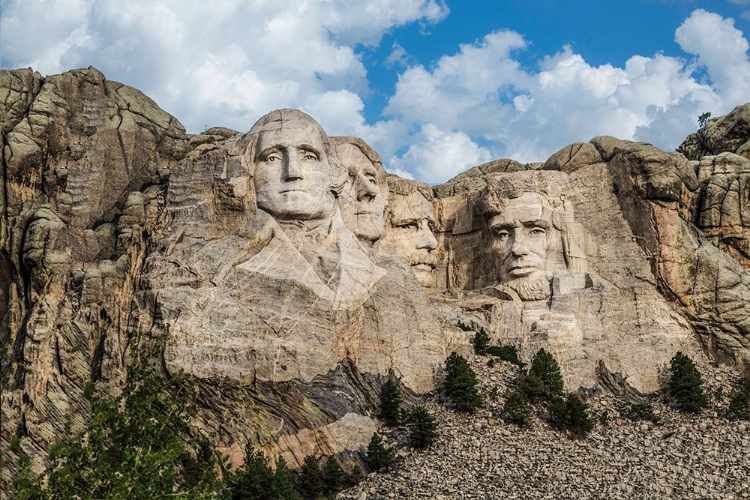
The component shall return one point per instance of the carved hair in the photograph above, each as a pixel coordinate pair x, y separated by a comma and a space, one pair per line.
248, 143
369, 153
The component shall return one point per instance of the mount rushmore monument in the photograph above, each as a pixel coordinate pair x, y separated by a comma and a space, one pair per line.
290, 275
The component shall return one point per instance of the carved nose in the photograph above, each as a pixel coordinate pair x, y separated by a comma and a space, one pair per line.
519, 247
425, 238
292, 168
367, 191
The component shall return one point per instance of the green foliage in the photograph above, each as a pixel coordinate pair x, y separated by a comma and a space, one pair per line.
545, 367
390, 403
379, 456
463, 326
311, 478
333, 477
739, 401
685, 386
491, 363
422, 427
256, 481
643, 411
506, 353
137, 445
460, 384
703, 119
481, 341
570, 414
516, 408
531, 387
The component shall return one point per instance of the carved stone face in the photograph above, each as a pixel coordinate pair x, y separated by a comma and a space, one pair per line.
520, 237
362, 202
292, 174
410, 235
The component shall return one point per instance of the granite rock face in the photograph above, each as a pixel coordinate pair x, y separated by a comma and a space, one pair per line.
290, 275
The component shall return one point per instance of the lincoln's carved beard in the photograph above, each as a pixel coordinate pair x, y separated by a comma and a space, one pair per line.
531, 289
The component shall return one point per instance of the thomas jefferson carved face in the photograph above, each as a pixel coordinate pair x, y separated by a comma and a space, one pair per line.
362, 201
410, 235
292, 172
520, 237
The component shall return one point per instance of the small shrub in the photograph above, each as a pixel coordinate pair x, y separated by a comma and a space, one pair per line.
491, 363
516, 408
463, 326
506, 353
494, 393
685, 386
390, 403
422, 427
604, 418
739, 401
379, 456
643, 411
460, 384
570, 414
481, 341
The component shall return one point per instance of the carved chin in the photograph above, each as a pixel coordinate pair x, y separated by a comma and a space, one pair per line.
532, 289
425, 274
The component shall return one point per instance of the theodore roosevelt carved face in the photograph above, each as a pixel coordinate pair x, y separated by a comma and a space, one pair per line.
409, 232
362, 201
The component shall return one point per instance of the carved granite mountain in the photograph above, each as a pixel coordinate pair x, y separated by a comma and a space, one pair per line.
290, 275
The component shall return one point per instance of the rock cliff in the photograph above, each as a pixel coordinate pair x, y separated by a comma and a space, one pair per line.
290, 275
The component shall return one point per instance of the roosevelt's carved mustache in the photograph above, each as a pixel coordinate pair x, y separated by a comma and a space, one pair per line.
422, 259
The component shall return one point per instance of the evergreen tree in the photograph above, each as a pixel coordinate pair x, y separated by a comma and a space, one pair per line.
311, 478
254, 480
532, 387
739, 401
481, 341
570, 414
333, 477
422, 427
283, 482
516, 409
686, 384
390, 403
545, 367
378, 455
506, 353
460, 384
137, 445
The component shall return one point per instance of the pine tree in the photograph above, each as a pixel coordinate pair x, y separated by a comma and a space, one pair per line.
378, 455
254, 479
422, 427
516, 408
545, 367
311, 478
739, 401
460, 384
481, 341
333, 477
390, 403
283, 482
686, 384
570, 414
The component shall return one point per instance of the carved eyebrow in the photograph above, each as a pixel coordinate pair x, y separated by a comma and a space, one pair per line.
310, 149
403, 222
537, 223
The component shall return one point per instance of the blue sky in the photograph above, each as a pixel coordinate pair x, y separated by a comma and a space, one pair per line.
436, 87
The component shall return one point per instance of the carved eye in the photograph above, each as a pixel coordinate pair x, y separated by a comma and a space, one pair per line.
273, 157
537, 231
309, 156
411, 226
372, 180
502, 235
